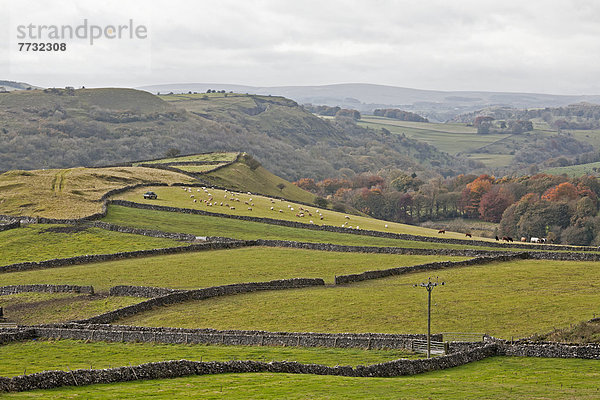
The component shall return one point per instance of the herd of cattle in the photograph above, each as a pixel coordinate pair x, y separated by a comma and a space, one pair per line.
507, 238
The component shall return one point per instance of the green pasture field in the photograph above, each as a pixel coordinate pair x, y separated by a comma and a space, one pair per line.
214, 268
496, 378
451, 138
46, 308
260, 206
224, 157
71, 193
48, 355
45, 242
575, 170
510, 299
200, 225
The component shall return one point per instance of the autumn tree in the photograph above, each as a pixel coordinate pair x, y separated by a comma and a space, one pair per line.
565, 191
494, 202
473, 193
307, 184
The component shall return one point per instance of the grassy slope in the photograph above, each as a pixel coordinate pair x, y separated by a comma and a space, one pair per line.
493, 378
43, 308
71, 193
241, 177
502, 299
261, 207
20, 245
212, 268
37, 356
216, 226
225, 157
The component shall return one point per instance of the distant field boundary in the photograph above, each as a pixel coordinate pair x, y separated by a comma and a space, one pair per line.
364, 232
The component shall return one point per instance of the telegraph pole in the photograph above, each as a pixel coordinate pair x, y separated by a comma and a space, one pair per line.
429, 285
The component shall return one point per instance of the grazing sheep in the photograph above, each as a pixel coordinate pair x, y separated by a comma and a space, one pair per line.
357, 227
271, 208
317, 211
347, 217
292, 209
321, 217
386, 225
195, 200
249, 208
232, 208
311, 222
280, 211
192, 196
250, 200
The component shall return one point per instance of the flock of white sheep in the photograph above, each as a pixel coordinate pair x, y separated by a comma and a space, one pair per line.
230, 198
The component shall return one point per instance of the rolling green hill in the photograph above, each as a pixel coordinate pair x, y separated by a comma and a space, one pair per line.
108, 126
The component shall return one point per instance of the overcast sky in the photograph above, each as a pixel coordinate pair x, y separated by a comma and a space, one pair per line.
518, 46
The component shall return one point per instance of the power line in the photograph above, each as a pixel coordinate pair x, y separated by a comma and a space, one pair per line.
429, 285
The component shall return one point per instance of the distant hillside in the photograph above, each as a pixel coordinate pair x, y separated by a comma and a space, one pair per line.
12, 85
58, 128
433, 104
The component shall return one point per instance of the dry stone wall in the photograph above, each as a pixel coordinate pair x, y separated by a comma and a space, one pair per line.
10, 225
15, 289
173, 369
550, 350
144, 232
17, 335
120, 333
